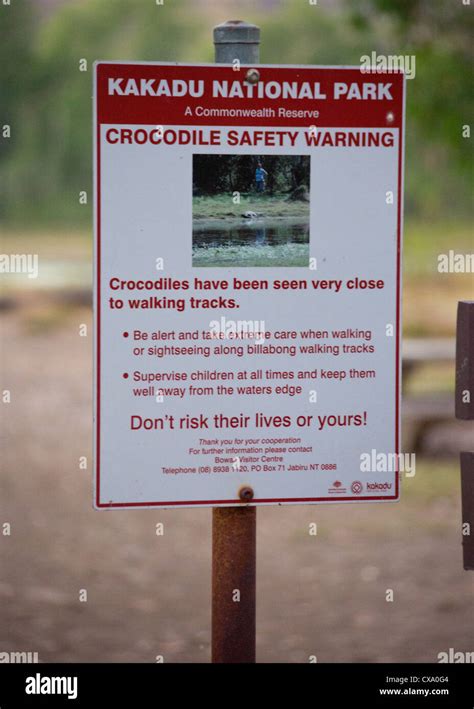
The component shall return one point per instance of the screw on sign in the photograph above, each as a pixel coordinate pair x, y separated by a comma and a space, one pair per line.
252, 76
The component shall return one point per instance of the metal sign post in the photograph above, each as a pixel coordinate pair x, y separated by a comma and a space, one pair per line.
234, 530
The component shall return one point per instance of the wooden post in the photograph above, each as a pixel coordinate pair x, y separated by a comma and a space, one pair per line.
234, 528
465, 410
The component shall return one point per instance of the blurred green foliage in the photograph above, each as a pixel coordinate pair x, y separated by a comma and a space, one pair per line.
47, 99
213, 174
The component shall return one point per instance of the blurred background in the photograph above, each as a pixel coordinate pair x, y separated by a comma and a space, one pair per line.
149, 595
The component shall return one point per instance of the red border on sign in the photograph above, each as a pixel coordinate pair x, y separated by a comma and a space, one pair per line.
398, 124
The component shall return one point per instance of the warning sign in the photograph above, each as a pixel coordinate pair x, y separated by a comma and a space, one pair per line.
247, 284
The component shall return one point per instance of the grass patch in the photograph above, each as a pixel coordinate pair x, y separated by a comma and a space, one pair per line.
221, 206
429, 297
433, 480
427, 377
49, 244
425, 241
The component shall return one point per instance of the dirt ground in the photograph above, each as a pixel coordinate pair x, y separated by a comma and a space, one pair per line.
149, 595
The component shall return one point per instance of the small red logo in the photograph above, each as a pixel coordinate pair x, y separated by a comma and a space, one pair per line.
356, 487
337, 483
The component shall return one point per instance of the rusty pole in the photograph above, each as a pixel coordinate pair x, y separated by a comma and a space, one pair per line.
234, 528
233, 584
465, 410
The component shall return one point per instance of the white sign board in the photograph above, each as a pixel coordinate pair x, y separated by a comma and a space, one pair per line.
247, 284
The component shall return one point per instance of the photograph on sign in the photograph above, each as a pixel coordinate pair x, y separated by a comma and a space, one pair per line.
247, 285
269, 227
